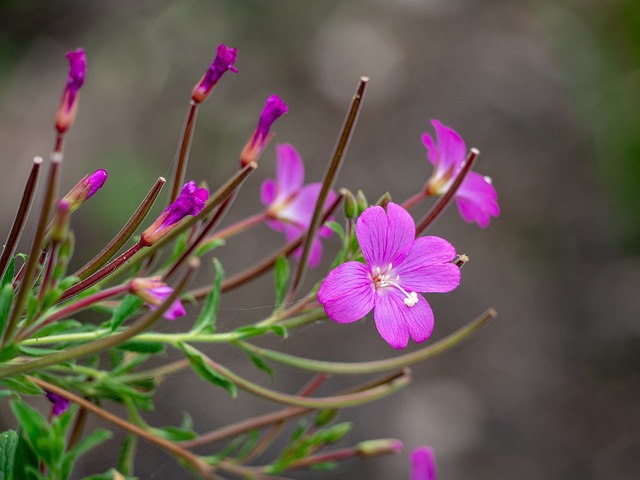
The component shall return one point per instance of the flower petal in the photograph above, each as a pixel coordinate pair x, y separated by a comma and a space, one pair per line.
268, 191
396, 321
423, 464
428, 267
347, 293
385, 237
289, 172
451, 148
477, 199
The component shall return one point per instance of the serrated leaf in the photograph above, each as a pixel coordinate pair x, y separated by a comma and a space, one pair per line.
200, 365
127, 307
8, 445
282, 272
207, 319
22, 384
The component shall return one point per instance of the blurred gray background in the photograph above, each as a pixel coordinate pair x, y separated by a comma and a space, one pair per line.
547, 90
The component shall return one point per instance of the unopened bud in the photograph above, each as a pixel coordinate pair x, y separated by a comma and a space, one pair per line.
85, 189
350, 206
274, 108
225, 58
363, 204
382, 446
60, 224
69, 104
384, 200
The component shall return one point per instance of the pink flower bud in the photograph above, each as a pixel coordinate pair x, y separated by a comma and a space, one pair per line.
274, 108
69, 103
224, 61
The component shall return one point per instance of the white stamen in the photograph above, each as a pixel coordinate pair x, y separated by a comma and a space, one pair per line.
411, 300
382, 280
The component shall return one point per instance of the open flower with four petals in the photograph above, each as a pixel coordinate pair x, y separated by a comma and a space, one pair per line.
476, 198
398, 269
290, 203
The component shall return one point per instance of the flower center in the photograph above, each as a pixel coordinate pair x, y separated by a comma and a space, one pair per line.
383, 279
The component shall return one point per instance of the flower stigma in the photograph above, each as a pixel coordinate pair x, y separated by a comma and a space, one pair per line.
383, 279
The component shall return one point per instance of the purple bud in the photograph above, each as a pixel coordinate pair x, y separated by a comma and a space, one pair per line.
154, 292
274, 108
69, 103
85, 189
423, 464
60, 404
191, 201
225, 58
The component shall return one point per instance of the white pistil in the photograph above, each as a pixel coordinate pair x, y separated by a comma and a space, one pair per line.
382, 280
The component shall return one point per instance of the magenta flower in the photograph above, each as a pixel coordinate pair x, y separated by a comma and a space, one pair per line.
476, 198
191, 201
75, 79
60, 404
290, 204
154, 292
85, 189
423, 464
274, 108
225, 58
398, 268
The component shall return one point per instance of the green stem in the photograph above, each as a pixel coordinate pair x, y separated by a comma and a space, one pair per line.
348, 368
411, 201
106, 342
338, 401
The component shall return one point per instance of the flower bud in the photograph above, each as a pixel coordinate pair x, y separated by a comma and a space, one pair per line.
191, 201
381, 446
363, 204
69, 103
60, 404
225, 58
274, 108
350, 206
154, 292
85, 189
384, 200
60, 224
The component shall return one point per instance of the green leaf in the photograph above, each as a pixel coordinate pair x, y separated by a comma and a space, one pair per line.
62, 326
281, 272
207, 319
6, 300
112, 474
337, 229
7, 278
8, 445
324, 466
87, 443
332, 434
68, 282
127, 307
32, 307
207, 247
260, 363
48, 446
142, 347
254, 436
36, 352
25, 461
174, 434
8, 352
200, 365
20, 383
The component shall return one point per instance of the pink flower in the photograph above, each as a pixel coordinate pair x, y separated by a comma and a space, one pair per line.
154, 292
423, 464
60, 404
398, 268
191, 201
85, 189
274, 108
476, 198
225, 58
69, 103
290, 204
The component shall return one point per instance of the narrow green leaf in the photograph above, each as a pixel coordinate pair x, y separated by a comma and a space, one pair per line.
32, 307
324, 466
207, 319
142, 347
87, 443
6, 300
63, 326
25, 461
260, 363
7, 278
41, 437
8, 352
8, 445
207, 247
21, 384
201, 367
127, 307
281, 272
